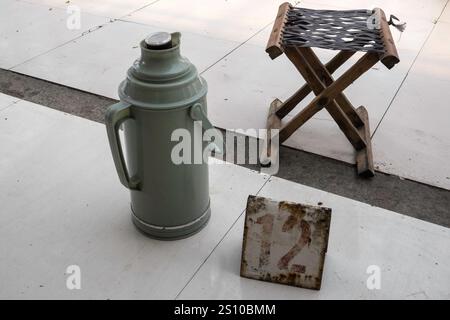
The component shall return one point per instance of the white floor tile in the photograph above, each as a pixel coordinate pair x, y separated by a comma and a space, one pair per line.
62, 204
413, 140
445, 14
404, 10
27, 30
98, 62
412, 255
6, 101
242, 85
230, 20
323, 137
105, 8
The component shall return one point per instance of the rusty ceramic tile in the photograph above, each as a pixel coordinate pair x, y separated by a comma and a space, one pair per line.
285, 242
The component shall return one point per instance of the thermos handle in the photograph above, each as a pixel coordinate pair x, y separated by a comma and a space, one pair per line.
197, 114
115, 116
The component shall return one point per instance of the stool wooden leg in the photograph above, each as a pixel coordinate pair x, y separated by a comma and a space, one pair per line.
354, 123
322, 100
327, 79
290, 103
364, 157
273, 123
331, 66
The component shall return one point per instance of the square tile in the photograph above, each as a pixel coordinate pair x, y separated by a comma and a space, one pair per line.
445, 17
98, 62
28, 30
410, 255
6, 101
404, 10
413, 140
223, 19
63, 205
104, 8
243, 84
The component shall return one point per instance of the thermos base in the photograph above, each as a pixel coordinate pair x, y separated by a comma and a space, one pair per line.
172, 233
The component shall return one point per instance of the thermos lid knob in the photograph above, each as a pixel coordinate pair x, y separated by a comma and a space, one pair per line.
159, 40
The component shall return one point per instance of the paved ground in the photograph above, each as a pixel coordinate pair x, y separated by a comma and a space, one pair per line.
63, 205
386, 191
407, 105
77, 71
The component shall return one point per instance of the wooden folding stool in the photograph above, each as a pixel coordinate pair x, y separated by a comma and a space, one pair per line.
295, 31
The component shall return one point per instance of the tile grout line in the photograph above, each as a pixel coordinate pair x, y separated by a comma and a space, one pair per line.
236, 48
63, 7
9, 105
442, 12
138, 9
40, 4
122, 19
165, 29
409, 69
218, 243
89, 31
240, 45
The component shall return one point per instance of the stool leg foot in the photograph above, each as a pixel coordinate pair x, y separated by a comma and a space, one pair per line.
364, 157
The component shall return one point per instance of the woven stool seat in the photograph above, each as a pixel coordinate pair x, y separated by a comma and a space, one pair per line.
354, 30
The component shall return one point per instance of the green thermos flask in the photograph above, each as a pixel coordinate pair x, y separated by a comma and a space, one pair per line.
162, 93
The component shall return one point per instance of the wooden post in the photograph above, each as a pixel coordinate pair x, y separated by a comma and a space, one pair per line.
364, 158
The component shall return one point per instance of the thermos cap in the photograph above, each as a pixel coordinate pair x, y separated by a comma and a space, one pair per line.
159, 40
161, 78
